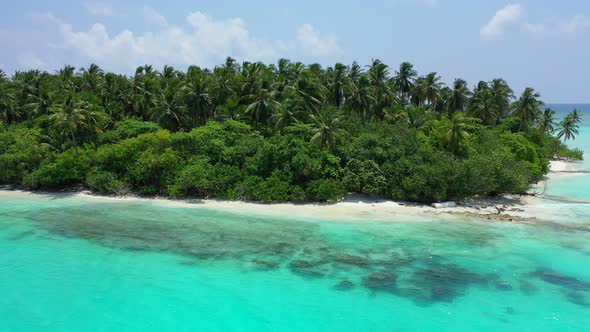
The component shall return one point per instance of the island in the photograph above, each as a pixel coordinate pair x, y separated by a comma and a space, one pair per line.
284, 132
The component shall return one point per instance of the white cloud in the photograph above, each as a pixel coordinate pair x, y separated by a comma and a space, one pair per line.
99, 8
312, 42
534, 27
503, 17
203, 41
577, 23
152, 16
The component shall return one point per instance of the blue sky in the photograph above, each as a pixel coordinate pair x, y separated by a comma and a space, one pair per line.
540, 43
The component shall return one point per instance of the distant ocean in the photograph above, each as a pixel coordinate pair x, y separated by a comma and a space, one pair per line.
562, 109
583, 140
577, 186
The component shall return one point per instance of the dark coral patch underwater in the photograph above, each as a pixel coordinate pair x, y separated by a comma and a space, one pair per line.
396, 265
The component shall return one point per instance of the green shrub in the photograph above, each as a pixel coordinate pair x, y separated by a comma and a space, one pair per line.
21, 152
152, 172
67, 169
364, 177
128, 129
325, 190
105, 182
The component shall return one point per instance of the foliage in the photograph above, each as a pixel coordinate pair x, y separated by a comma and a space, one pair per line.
22, 151
128, 129
570, 125
105, 182
284, 132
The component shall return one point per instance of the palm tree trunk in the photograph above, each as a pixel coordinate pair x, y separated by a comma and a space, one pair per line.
74, 141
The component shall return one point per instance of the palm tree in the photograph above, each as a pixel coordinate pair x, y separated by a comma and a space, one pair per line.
548, 121
222, 89
287, 115
337, 82
309, 91
414, 116
359, 97
91, 78
170, 110
576, 116
482, 104
528, 108
8, 111
168, 73
404, 80
146, 98
417, 94
501, 95
326, 131
39, 100
569, 126
231, 109
250, 78
459, 96
263, 105
288, 71
457, 125
382, 90
230, 66
148, 71
72, 114
430, 87
355, 72
196, 95
378, 73
66, 78
114, 95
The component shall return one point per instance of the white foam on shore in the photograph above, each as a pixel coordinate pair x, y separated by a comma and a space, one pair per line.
353, 208
350, 209
568, 167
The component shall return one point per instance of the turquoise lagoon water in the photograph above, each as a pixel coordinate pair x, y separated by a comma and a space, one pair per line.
576, 187
85, 264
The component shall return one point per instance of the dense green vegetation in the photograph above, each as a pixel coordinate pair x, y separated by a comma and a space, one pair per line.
274, 133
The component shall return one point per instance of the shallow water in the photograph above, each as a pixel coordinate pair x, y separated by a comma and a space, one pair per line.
71, 264
82, 264
575, 186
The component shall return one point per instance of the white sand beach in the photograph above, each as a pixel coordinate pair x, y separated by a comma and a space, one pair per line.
354, 207
562, 165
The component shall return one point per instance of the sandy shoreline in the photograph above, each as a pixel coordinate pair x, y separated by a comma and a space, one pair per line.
351, 208
562, 165
506, 208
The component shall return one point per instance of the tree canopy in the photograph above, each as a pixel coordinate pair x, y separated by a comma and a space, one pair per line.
284, 132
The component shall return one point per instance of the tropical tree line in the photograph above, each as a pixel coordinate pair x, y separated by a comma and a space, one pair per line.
275, 132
